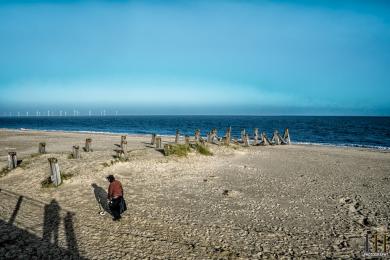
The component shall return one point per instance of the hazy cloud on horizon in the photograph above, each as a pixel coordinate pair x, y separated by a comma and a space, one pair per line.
226, 57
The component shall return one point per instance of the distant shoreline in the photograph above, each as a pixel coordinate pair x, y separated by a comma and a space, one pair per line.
346, 146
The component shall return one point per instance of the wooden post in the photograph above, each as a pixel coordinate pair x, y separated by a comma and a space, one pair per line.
228, 135
256, 136
12, 160
246, 140
120, 154
55, 174
214, 138
264, 139
275, 138
124, 146
197, 135
42, 148
88, 145
153, 139
242, 135
166, 149
76, 152
208, 137
123, 138
187, 139
177, 136
286, 136
158, 143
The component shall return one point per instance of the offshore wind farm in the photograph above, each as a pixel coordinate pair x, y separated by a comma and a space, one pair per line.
194, 129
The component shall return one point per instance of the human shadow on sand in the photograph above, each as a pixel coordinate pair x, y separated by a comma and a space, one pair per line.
28, 244
101, 197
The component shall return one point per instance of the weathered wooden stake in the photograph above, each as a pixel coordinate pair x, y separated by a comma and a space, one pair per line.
123, 138
120, 154
12, 160
88, 145
76, 152
167, 149
256, 136
187, 139
264, 139
242, 135
246, 140
153, 139
124, 146
228, 135
158, 143
275, 138
42, 148
177, 136
286, 136
214, 138
55, 174
208, 137
197, 135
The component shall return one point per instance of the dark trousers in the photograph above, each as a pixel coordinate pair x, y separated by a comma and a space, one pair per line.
115, 207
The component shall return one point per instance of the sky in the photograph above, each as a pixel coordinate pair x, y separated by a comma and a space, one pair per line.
195, 57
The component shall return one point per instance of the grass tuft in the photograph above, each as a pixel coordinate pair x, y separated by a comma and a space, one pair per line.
4, 171
106, 164
35, 155
47, 183
177, 149
203, 150
66, 176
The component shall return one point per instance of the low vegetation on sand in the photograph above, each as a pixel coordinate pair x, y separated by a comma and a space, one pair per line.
202, 149
47, 183
4, 171
183, 149
177, 149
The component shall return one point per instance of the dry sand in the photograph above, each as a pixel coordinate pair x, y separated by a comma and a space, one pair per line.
258, 202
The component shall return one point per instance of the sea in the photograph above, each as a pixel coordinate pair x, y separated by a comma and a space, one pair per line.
368, 132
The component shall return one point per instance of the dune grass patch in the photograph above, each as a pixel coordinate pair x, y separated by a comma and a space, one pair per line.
47, 183
4, 171
202, 149
182, 150
177, 149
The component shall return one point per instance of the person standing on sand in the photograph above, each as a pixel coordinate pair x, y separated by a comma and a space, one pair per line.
116, 202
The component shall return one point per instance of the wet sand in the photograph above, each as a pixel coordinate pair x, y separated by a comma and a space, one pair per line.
259, 202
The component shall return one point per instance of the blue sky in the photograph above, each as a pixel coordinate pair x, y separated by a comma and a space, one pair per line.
196, 57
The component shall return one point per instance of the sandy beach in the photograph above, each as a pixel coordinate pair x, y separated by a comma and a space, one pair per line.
288, 201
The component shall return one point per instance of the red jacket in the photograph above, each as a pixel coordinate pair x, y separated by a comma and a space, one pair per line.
115, 190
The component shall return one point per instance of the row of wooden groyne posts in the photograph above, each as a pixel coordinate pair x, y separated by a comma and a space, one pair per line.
211, 138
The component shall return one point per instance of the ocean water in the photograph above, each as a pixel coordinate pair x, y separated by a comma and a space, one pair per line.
371, 132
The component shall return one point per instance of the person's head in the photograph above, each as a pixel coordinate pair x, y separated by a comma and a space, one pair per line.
110, 178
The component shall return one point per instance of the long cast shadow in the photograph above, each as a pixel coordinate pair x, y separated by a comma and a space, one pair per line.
101, 197
51, 222
71, 240
30, 245
16, 210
